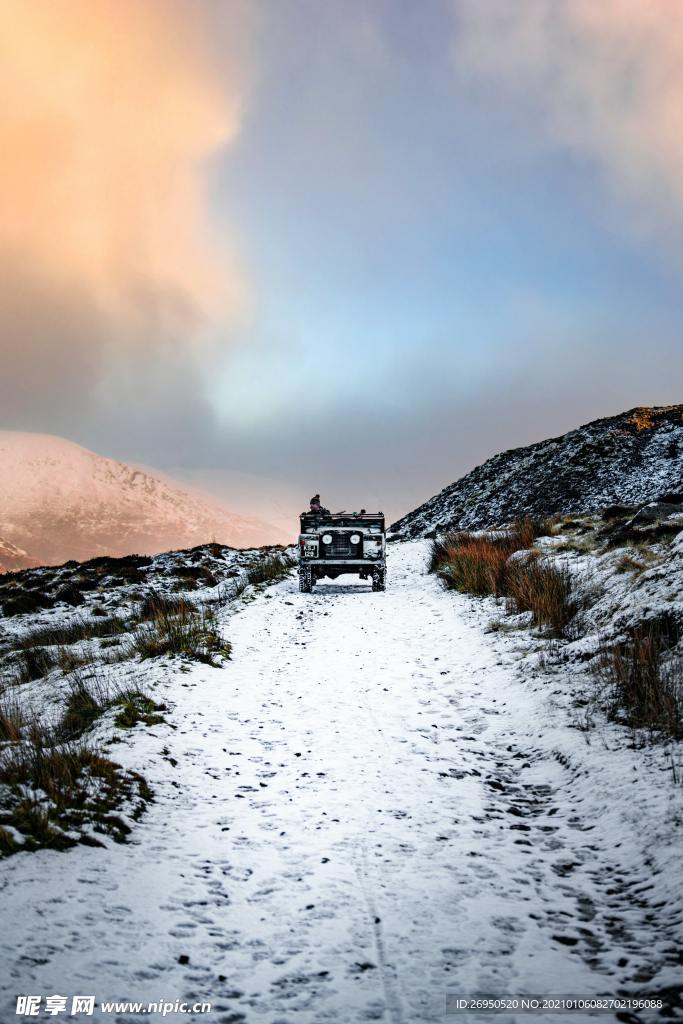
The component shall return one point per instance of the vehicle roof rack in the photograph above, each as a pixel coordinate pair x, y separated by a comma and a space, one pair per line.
341, 518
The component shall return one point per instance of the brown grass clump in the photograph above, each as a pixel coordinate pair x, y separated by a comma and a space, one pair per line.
88, 699
537, 586
154, 605
44, 767
79, 629
34, 663
476, 563
482, 564
92, 694
12, 719
57, 793
627, 563
525, 531
270, 570
644, 678
472, 564
192, 632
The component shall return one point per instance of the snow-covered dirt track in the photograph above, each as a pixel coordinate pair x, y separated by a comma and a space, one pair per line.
368, 807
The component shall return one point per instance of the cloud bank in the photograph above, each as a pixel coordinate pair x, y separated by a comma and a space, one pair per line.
606, 78
111, 113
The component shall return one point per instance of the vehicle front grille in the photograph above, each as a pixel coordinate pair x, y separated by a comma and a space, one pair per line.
341, 547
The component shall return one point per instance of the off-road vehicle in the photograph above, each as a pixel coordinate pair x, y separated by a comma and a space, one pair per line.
331, 544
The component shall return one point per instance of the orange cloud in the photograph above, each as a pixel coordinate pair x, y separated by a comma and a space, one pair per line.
110, 113
607, 75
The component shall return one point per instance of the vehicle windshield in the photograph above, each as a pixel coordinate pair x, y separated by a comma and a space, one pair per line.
311, 520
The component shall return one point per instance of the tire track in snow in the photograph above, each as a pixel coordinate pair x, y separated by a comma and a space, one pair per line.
389, 984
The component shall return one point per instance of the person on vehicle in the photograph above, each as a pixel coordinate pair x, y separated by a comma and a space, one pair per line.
317, 507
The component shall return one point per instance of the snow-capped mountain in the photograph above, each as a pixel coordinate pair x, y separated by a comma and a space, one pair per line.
60, 501
634, 457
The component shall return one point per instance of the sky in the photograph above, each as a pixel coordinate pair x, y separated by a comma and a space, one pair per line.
274, 247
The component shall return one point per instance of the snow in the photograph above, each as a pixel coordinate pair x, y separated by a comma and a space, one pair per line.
374, 803
619, 600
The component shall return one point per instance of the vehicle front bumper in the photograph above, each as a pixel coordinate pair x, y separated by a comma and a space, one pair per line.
352, 563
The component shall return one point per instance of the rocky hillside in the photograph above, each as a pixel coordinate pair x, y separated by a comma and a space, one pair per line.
47, 595
629, 459
59, 501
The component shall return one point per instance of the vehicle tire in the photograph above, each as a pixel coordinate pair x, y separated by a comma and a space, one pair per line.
305, 580
379, 579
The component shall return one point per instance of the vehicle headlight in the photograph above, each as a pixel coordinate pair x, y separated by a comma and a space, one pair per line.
355, 538
327, 538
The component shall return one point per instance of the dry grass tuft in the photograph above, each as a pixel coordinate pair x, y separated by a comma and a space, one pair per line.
537, 586
79, 629
92, 694
34, 663
644, 678
192, 632
627, 563
56, 794
482, 564
472, 564
136, 707
155, 604
270, 570
475, 563
89, 697
12, 719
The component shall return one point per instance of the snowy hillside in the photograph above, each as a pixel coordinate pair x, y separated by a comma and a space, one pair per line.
60, 501
631, 458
